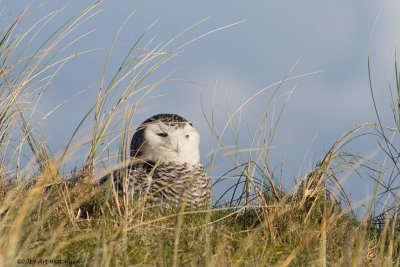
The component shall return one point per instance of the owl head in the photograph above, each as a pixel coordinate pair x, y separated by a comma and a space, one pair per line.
166, 138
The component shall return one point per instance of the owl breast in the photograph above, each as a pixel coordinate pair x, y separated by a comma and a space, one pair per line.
171, 184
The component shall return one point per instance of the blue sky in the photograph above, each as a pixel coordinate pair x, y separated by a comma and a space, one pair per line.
239, 61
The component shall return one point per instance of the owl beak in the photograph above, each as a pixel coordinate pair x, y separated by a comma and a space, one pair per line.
175, 145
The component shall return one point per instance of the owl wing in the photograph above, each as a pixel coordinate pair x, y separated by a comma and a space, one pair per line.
131, 178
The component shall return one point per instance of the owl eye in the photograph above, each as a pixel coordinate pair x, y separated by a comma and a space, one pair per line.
162, 134
187, 136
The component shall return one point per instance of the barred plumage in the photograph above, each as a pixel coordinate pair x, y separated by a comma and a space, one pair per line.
169, 168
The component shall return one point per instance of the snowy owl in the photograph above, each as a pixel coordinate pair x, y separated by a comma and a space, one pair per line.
165, 151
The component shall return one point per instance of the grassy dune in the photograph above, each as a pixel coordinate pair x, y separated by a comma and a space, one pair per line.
51, 217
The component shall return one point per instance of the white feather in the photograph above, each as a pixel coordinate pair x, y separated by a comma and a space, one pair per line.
181, 145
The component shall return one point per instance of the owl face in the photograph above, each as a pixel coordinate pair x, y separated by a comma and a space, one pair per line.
166, 142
